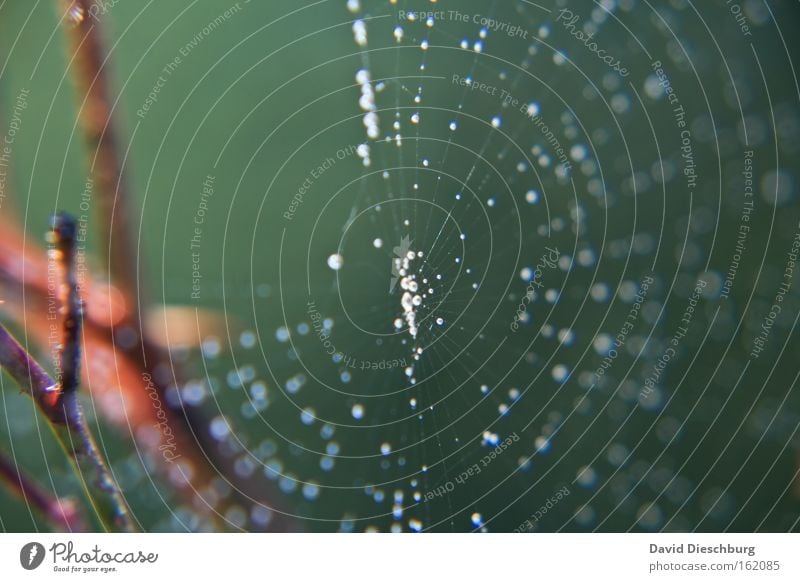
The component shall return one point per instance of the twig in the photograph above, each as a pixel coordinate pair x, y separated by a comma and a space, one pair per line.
59, 401
61, 513
62, 236
111, 506
106, 166
30, 376
65, 415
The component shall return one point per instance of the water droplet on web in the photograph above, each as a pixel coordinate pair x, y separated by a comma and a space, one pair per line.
311, 491
308, 416
542, 444
247, 339
282, 334
360, 33
335, 261
532, 197
211, 347
490, 439
219, 428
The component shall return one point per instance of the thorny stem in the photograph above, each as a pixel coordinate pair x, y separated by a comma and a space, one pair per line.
61, 513
111, 506
64, 413
59, 400
30, 376
62, 235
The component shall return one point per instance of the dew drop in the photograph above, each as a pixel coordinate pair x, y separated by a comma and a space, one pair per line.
360, 33
336, 261
532, 197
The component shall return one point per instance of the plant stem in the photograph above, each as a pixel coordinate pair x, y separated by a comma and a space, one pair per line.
65, 416
90, 76
59, 400
62, 236
30, 376
61, 513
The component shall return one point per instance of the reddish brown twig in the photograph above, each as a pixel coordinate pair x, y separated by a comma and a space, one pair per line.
114, 216
30, 376
59, 401
65, 415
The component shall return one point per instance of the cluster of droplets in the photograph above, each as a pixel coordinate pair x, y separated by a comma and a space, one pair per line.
367, 104
411, 299
360, 33
367, 100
